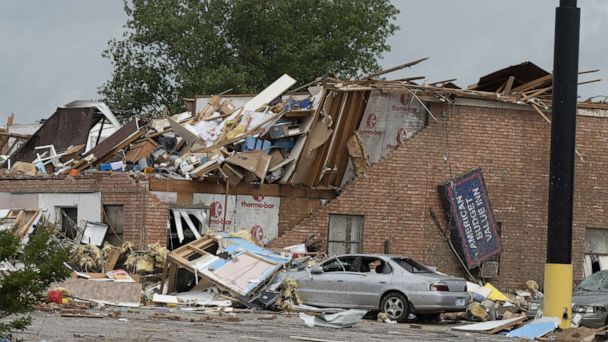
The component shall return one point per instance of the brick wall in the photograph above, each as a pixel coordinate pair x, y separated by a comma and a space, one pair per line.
293, 210
512, 148
144, 215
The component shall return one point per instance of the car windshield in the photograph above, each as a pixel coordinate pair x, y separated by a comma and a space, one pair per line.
595, 282
411, 266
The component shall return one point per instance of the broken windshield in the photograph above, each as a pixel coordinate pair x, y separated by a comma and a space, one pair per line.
595, 282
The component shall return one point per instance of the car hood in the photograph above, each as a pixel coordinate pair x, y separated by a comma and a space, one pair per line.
590, 298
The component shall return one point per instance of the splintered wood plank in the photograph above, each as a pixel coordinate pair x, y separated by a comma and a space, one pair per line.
198, 250
112, 258
103, 150
271, 92
491, 326
314, 171
395, 68
508, 85
172, 277
532, 84
537, 93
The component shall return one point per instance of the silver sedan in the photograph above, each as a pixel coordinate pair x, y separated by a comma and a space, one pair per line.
396, 285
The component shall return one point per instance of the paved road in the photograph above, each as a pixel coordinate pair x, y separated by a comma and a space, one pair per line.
154, 325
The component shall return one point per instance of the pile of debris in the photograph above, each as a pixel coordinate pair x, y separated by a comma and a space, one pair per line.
231, 271
224, 262
269, 137
517, 315
252, 141
225, 271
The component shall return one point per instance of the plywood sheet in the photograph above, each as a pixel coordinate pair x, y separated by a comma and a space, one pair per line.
277, 88
256, 162
245, 273
184, 132
139, 150
491, 325
105, 147
105, 291
319, 135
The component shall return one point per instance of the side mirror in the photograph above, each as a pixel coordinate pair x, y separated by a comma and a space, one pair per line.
316, 270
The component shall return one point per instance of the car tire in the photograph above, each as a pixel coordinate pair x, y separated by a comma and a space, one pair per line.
395, 306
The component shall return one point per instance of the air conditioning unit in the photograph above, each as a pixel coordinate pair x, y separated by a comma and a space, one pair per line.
488, 269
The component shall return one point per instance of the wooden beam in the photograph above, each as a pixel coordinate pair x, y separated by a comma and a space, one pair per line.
272, 190
10, 148
592, 81
588, 71
592, 105
15, 135
540, 112
398, 67
532, 84
537, 93
508, 85
442, 82
502, 87
546, 78
335, 108
407, 79
198, 250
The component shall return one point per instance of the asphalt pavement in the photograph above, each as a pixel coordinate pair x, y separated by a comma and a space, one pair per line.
145, 324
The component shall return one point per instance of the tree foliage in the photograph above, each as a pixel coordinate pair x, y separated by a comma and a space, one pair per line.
179, 48
41, 261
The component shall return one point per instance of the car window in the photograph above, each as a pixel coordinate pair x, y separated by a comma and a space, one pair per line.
376, 265
350, 263
332, 265
411, 266
595, 282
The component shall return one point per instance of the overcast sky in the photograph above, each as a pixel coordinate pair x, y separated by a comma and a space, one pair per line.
50, 51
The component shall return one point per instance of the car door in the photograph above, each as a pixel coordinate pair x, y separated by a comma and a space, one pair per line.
327, 288
365, 285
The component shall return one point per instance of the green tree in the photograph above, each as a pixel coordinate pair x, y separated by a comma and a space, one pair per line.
42, 261
179, 48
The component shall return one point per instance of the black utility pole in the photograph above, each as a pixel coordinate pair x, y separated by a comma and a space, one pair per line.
558, 269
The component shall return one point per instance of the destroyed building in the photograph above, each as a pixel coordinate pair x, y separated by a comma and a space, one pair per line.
349, 166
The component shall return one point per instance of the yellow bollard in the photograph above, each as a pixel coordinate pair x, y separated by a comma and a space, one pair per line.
558, 293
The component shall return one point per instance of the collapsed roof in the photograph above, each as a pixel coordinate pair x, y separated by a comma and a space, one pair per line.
320, 138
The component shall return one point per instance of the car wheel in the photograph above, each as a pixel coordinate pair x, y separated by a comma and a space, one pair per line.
395, 306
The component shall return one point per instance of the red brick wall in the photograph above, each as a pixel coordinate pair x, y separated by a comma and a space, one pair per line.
144, 215
512, 148
293, 210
